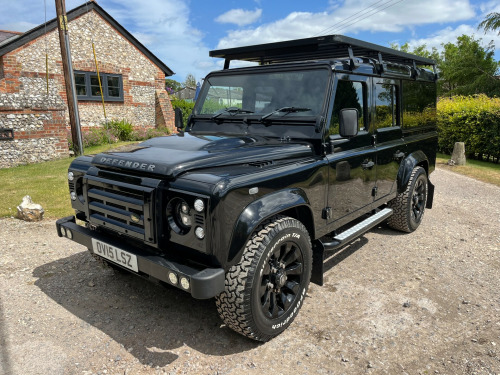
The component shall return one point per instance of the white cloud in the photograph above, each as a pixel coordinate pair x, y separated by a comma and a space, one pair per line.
240, 17
449, 34
402, 15
165, 28
490, 6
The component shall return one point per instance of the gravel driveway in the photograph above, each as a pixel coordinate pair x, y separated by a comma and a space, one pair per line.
420, 303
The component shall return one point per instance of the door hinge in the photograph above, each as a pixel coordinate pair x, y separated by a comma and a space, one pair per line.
327, 213
374, 191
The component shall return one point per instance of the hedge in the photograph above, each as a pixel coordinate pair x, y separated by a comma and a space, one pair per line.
474, 120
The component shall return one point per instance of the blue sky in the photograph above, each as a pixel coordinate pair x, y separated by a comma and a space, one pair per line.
181, 33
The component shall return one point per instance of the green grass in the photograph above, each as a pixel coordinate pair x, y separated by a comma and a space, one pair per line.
46, 183
480, 170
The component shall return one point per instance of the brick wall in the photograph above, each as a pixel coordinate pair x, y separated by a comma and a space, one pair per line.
40, 119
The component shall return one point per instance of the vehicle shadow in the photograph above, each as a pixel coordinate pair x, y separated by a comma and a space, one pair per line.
149, 320
333, 258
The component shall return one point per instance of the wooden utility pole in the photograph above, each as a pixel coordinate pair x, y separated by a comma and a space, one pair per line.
69, 78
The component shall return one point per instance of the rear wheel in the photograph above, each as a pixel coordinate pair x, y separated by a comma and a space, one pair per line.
409, 206
266, 289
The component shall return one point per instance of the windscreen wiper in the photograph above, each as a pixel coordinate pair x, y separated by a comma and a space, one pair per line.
286, 110
231, 110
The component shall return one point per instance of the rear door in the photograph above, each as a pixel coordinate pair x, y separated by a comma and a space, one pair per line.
390, 146
352, 162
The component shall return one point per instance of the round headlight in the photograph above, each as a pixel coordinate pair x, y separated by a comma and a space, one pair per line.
199, 232
186, 220
73, 196
179, 216
199, 205
71, 176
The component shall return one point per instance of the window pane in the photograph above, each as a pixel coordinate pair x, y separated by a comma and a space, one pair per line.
94, 81
220, 97
348, 95
385, 105
114, 92
113, 81
94, 85
419, 104
80, 78
81, 89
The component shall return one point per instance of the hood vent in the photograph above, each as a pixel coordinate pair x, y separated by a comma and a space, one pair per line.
261, 164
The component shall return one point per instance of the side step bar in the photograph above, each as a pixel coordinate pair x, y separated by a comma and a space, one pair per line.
357, 230
320, 248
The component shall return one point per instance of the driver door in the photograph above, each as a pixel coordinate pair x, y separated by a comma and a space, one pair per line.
352, 161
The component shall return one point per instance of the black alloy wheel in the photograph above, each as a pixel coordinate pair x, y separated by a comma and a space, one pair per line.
266, 288
281, 279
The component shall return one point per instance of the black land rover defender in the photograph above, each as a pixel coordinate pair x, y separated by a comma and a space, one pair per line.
279, 164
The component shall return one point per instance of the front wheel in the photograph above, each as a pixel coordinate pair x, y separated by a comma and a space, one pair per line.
266, 289
409, 206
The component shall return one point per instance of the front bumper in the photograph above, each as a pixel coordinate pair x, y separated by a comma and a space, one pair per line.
203, 283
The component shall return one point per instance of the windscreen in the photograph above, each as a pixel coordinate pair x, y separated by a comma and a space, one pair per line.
262, 93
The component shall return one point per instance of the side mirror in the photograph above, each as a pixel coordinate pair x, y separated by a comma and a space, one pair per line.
348, 121
179, 123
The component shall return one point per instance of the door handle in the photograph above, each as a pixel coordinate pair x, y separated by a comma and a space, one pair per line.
367, 164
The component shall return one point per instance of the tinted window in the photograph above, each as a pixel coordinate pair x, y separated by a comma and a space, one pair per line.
386, 105
348, 95
419, 104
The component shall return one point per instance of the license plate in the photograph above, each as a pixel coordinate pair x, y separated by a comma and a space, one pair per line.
116, 255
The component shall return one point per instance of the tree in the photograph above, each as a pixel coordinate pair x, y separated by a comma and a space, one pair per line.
190, 81
420, 50
491, 22
171, 85
467, 68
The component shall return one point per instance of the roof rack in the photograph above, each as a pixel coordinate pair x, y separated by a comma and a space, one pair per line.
318, 48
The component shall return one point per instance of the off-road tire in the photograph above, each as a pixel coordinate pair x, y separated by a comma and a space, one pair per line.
279, 254
409, 206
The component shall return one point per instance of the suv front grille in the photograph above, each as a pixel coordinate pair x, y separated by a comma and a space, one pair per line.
121, 207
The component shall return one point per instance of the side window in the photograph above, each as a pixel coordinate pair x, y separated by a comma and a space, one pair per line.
386, 105
349, 94
419, 104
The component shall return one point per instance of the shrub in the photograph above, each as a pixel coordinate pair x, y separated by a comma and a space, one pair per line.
121, 129
474, 120
185, 106
141, 134
94, 137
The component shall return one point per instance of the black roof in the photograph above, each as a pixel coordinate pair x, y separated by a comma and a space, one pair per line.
318, 48
18, 41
